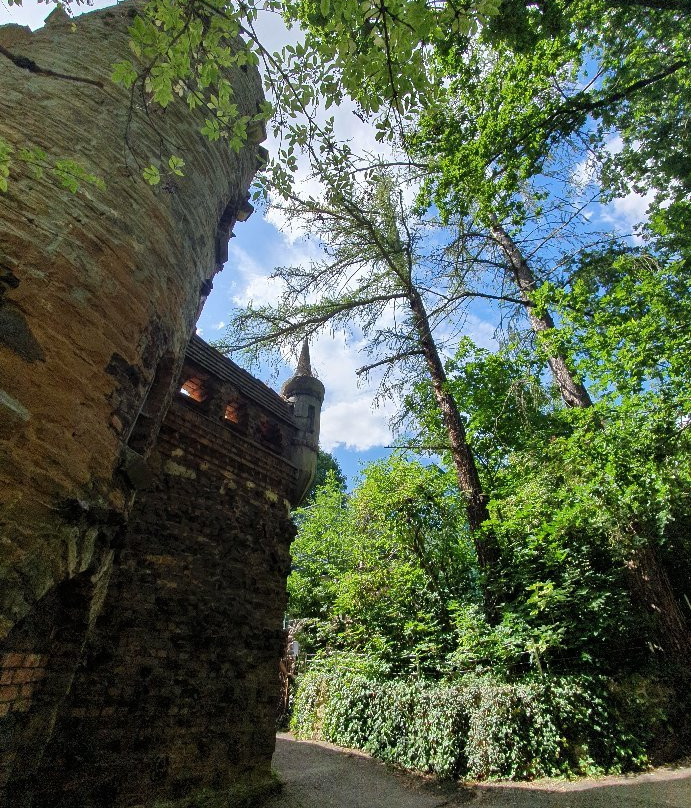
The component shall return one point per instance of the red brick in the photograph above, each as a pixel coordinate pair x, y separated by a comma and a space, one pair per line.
9, 693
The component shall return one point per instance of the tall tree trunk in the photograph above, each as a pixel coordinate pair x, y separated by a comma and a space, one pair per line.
650, 586
464, 462
572, 391
646, 576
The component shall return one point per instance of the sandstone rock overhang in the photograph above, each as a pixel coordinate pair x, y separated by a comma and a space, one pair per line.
99, 289
126, 647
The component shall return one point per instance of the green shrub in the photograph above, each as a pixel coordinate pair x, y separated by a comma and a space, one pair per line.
479, 726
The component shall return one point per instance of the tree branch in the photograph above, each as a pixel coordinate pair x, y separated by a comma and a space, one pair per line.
24, 63
657, 5
315, 320
389, 361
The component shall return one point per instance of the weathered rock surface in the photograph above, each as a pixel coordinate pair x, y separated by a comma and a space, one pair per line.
99, 290
136, 663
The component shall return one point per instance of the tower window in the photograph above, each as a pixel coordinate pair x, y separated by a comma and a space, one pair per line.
232, 413
194, 388
269, 434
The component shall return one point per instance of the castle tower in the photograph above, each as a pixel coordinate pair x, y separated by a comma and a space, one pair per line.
306, 393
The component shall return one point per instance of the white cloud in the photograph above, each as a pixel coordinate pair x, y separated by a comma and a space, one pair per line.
633, 207
249, 279
481, 332
348, 126
354, 425
614, 145
220, 325
628, 211
623, 213
584, 173
350, 417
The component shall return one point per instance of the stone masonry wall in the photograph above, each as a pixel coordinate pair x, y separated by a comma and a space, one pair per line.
177, 694
138, 661
36, 677
99, 291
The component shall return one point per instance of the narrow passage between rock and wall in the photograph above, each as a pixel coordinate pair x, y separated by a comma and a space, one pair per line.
319, 775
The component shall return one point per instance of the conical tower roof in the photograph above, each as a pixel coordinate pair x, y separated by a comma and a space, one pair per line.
303, 381
304, 367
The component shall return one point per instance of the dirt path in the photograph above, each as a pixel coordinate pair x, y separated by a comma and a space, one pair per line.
319, 775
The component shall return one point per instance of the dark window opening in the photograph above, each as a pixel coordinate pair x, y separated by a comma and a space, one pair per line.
311, 415
232, 413
235, 414
270, 434
194, 388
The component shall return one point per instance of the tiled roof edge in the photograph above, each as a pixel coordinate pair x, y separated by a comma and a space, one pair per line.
202, 354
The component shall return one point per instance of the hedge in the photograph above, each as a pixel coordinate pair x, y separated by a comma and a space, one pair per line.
480, 726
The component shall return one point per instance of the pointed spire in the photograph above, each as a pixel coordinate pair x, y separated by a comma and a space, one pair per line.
303, 382
304, 367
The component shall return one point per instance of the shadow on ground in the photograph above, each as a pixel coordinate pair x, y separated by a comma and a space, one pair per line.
319, 775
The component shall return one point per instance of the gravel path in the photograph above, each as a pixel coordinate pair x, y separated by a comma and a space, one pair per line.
319, 775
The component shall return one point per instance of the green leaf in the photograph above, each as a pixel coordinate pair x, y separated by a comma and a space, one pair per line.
176, 164
152, 175
124, 73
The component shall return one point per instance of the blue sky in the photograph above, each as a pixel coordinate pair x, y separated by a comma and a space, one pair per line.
353, 428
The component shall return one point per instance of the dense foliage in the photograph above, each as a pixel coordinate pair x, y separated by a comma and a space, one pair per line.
378, 572
326, 463
481, 726
390, 572
590, 510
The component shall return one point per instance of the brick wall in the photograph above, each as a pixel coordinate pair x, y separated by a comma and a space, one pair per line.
178, 689
99, 293
38, 663
19, 675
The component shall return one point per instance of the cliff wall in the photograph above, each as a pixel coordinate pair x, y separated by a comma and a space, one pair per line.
99, 291
142, 577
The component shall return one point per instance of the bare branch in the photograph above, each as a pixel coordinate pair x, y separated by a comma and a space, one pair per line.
388, 361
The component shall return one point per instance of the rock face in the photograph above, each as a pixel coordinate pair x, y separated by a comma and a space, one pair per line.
99, 293
101, 289
178, 689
